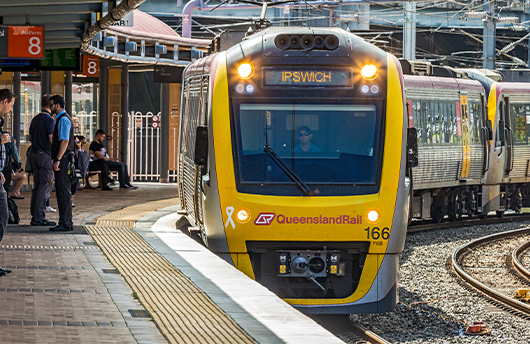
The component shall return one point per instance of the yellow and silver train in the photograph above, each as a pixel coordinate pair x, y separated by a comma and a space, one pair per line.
292, 165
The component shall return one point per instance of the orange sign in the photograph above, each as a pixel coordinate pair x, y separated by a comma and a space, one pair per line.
90, 65
26, 42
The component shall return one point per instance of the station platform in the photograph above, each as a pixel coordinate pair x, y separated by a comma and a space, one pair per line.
127, 275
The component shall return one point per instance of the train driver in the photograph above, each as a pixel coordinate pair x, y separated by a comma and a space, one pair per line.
305, 136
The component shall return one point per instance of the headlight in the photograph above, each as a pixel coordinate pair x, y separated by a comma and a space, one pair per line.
369, 71
372, 216
245, 70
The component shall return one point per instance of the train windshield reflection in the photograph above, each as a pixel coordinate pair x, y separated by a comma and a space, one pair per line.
320, 143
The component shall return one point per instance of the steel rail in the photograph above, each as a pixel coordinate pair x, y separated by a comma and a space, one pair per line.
467, 222
489, 292
517, 265
368, 335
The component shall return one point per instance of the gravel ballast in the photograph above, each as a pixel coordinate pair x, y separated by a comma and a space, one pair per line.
433, 306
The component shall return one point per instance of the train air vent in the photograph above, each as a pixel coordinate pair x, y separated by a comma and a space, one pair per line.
420, 68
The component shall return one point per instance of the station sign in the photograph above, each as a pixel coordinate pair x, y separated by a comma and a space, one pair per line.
168, 74
91, 65
22, 42
127, 21
67, 59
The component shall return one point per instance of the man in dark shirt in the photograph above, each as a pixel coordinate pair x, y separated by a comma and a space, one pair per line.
40, 158
100, 155
62, 148
7, 100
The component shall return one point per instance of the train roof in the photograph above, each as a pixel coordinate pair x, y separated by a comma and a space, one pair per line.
513, 87
435, 82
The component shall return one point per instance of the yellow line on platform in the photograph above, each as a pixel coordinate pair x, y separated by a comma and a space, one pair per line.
182, 312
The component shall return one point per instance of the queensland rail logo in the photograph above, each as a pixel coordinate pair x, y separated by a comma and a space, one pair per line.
265, 219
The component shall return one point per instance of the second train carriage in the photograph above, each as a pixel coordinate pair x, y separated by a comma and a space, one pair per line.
292, 165
473, 142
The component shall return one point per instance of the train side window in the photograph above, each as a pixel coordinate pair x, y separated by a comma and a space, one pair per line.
475, 118
499, 131
417, 120
435, 121
426, 116
518, 116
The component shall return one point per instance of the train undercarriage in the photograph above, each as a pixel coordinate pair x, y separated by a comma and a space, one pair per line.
456, 202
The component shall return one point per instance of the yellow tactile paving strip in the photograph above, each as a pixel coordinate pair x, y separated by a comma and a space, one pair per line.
182, 312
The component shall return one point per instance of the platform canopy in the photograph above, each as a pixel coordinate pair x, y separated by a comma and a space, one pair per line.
64, 21
67, 22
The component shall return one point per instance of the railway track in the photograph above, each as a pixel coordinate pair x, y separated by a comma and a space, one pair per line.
421, 226
505, 302
516, 260
349, 331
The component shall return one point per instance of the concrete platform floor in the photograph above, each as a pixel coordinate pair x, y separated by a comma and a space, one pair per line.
62, 288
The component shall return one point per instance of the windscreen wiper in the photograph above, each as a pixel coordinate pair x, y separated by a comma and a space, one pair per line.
290, 173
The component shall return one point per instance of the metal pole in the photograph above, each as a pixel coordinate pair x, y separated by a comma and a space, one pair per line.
17, 85
124, 112
331, 16
103, 100
68, 92
46, 82
409, 31
488, 47
164, 133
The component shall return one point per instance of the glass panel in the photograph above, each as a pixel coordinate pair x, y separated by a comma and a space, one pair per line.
319, 143
84, 110
29, 106
520, 116
475, 121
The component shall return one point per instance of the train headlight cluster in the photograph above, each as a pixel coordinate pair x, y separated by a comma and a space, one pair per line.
369, 71
245, 70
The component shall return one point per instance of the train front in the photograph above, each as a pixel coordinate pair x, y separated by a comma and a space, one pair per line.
309, 140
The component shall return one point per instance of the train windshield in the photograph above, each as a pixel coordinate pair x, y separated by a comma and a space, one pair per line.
320, 147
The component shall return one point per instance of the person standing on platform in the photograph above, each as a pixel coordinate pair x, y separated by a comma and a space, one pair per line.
40, 158
61, 149
7, 100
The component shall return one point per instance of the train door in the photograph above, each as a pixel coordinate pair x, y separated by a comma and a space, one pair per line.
504, 135
466, 139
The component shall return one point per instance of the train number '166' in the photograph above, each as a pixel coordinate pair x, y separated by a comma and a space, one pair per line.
376, 233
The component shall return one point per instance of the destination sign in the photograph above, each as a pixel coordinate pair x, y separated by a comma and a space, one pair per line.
306, 77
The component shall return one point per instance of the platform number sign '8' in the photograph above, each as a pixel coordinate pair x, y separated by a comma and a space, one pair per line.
91, 66
26, 42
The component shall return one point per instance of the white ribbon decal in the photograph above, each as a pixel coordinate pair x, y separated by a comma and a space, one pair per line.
229, 212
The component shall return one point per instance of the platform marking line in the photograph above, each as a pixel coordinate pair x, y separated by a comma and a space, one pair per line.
182, 312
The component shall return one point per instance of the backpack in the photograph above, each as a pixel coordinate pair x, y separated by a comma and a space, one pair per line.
83, 160
13, 211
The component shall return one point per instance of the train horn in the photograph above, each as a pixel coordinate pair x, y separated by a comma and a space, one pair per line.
295, 42
319, 42
331, 42
307, 42
282, 42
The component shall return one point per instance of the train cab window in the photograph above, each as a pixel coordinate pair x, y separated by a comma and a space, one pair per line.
520, 118
328, 146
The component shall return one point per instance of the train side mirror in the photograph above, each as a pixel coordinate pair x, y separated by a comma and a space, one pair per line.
412, 147
490, 130
201, 145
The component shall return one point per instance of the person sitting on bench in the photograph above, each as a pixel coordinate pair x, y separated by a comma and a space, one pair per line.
102, 158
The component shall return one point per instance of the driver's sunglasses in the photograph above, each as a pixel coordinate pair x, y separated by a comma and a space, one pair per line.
303, 134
